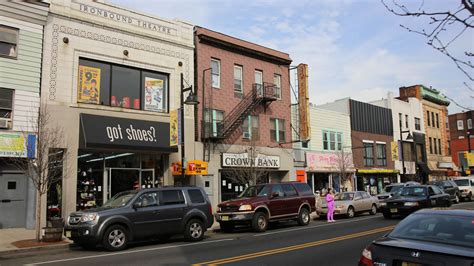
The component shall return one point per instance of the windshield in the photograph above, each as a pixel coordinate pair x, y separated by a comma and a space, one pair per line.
447, 229
120, 199
462, 182
413, 191
393, 189
345, 196
255, 191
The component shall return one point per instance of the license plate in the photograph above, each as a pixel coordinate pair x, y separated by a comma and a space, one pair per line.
410, 264
225, 218
393, 210
68, 233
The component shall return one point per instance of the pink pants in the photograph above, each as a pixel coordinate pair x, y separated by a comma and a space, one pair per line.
330, 212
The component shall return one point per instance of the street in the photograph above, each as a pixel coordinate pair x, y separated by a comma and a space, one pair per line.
320, 243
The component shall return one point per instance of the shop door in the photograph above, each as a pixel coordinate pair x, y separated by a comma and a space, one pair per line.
121, 179
147, 178
12, 200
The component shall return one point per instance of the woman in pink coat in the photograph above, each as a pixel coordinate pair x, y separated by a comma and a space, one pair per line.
330, 203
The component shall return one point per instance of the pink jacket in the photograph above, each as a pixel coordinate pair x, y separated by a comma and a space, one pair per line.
330, 199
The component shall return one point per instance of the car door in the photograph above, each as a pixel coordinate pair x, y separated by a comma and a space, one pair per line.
277, 203
145, 215
292, 200
172, 209
367, 201
435, 196
448, 188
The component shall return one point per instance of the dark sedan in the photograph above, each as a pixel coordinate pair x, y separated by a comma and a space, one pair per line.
427, 237
413, 198
450, 187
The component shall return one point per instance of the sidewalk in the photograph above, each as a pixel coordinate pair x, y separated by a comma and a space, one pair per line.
18, 240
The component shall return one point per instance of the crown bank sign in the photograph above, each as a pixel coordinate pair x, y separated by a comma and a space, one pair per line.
243, 160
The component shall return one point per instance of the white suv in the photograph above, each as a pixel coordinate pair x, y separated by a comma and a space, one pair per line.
466, 187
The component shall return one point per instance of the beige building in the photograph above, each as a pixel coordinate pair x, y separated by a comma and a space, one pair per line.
435, 111
111, 77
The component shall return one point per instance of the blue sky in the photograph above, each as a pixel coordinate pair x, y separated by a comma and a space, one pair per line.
354, 48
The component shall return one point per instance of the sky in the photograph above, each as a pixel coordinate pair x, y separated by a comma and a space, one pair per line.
354, 48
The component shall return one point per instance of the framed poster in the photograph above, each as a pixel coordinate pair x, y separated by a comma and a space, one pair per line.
88, 90
154, 95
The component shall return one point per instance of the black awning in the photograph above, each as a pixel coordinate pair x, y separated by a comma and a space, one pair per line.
424, 168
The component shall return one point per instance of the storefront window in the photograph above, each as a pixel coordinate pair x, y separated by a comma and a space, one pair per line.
121, 86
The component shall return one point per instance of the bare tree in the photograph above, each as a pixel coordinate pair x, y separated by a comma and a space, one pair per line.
443, 29
45, 166
344, 165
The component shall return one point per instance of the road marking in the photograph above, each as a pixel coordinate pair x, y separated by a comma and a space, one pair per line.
316, 226
130, 252
295, 247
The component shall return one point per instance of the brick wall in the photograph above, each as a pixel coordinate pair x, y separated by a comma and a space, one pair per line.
358, 151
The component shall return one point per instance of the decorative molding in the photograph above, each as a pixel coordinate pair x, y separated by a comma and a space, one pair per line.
105, 39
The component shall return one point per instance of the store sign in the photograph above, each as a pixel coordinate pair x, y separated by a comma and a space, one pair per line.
243, 160
124, 134
17, 145
319, 161
195, 167
117, 17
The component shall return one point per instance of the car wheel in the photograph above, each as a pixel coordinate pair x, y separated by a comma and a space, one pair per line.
303, 217
350, 212
387, 215
194, 230
115, 238
227, 227
260, 222
373, 210
469, 197
448, 203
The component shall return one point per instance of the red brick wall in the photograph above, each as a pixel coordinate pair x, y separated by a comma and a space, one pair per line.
224, 98
459, 145
358, 151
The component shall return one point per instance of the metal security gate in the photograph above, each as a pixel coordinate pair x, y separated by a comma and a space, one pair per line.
13, 200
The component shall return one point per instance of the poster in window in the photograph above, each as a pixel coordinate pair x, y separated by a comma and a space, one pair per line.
154, 94
89, 85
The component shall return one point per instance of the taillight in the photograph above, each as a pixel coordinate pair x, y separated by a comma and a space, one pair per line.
210, 208
366, 258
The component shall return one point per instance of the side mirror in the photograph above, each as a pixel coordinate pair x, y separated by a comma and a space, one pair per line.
137, 205
275, 195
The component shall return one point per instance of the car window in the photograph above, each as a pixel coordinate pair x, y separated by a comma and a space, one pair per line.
365, 195
149, 199
255, 191
303, 189
446, 229
463, 182
278, 189
437, 190
120, 199
472, 183
196, 196
345, 196
413, 191
289, 190
170, 197
358, 195
431, 191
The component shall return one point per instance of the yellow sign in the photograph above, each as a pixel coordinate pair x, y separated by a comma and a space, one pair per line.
470, 158
303, 102
174, 136
12, 145
394, 149
195, 167
377, 171
88, 87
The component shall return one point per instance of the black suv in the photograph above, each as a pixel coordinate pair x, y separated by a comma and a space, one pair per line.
142, 214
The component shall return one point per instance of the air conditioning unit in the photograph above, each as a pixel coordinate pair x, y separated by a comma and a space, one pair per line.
246, 135
5, 123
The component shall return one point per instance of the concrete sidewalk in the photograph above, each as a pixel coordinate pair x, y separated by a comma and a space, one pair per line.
18, 240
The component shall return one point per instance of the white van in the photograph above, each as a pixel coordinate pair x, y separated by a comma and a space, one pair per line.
466, 187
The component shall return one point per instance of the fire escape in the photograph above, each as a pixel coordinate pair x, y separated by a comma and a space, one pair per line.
219, 131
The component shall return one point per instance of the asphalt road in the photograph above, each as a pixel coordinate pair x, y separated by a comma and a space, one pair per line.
320, 243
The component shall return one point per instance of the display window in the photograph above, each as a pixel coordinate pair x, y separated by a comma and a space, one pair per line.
121, 86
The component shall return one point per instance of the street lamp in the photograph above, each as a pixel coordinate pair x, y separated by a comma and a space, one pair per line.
190, 100
409, 137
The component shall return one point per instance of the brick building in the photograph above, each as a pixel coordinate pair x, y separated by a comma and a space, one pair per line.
244, 95
435, 110
462, 138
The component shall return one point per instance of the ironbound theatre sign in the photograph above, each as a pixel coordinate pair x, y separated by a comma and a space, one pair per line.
124, 134
243, 160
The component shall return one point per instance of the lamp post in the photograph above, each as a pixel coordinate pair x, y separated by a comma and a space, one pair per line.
401, 149
190, 100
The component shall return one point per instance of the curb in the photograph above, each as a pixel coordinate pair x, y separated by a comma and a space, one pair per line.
22, 251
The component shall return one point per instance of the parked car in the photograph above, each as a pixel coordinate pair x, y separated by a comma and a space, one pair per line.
350, 203
450, 187
393, 189
427, 237
260, 204
142, 214
413, 198
466, 187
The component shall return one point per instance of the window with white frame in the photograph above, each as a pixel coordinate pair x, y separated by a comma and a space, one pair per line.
460, 125
259, 82
8, 41
417, 123
469, 123
250, 128
368, 153
238, 86
6, 103
277, 130
332, 140
213, 122
381, 154
277, 82
216, 73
